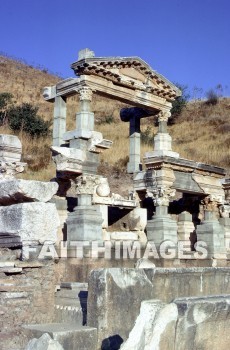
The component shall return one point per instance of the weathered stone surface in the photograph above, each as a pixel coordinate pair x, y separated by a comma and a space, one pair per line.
45, 342
10, 148
124, 236
30, 221
18, 190
187, 323
115, 295
70, 336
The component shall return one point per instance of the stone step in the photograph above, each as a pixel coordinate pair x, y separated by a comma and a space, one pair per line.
69, 335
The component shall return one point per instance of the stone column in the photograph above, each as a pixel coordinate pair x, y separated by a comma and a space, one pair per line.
59, 125
133, 116
134, 163
186, 229
162, 140
211, 231
162, 227
85, 118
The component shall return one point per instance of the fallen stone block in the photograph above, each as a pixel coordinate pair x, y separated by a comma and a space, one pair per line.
70, 336
37, 222
10, 148
186, 323
16, 191
45, 342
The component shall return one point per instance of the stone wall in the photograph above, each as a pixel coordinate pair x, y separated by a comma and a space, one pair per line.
26, 296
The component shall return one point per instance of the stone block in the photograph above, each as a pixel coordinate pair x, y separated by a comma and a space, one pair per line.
45, 342
37, 222
212, 233
187, 323
84, 224
162, 228
10, 148
17, 190
70, 336
114, 300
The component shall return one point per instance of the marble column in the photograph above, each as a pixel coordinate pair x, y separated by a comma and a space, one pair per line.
59, 124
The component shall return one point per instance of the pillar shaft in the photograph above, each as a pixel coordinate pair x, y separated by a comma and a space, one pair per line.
134, 163
59, 125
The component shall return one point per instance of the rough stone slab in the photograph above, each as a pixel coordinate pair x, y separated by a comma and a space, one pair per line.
70, 336
18, 190
10, 148
31, 221
45, 342
114, 300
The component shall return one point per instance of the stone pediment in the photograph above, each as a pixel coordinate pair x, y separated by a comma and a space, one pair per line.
130, 72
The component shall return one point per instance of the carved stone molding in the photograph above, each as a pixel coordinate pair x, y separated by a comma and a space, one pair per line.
86, 184
210, 204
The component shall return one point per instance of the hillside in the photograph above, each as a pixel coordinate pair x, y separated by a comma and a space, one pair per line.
200, 133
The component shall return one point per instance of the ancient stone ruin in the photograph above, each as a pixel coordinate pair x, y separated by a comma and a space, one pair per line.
97, 270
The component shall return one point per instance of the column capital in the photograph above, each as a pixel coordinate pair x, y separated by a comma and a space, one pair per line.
85, 93
163, 196
163, 116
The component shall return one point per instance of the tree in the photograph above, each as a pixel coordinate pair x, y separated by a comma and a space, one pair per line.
179, 103
25, 118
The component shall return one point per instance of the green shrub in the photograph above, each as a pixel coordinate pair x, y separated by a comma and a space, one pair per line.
179, 103
212, 97
25, 118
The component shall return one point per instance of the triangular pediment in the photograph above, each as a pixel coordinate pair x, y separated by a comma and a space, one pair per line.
132, 72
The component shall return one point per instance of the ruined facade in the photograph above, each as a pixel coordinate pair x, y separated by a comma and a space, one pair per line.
52, 245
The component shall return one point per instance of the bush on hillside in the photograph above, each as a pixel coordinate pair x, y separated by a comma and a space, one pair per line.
25, 118
179, 103
212, 97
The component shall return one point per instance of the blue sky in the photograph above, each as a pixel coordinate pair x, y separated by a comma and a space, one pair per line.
188, 41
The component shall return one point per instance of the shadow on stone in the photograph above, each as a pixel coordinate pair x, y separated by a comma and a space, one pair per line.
83, 296
112, 343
